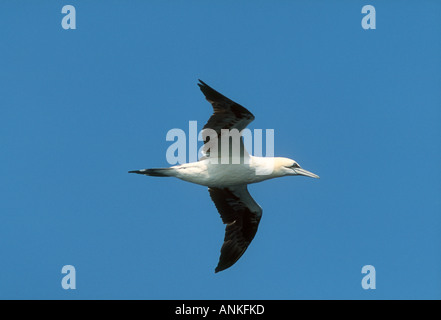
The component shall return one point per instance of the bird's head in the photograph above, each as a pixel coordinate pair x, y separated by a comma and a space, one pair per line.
289, 167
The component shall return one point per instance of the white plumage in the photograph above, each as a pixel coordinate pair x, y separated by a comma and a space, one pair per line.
227, 183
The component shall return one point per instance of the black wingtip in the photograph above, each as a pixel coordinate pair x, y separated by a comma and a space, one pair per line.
221, 267
211, 94
202, 84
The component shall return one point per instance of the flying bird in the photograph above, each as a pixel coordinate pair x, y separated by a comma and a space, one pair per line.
227, 182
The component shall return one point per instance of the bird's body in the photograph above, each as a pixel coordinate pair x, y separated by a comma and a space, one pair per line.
227, 178
218, 175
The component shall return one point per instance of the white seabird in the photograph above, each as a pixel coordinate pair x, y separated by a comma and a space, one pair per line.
227, 183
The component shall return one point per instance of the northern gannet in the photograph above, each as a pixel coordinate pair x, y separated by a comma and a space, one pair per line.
227, 183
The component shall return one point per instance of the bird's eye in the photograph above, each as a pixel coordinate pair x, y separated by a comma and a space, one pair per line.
295, 165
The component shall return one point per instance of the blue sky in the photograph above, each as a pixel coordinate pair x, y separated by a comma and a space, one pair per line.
79, 108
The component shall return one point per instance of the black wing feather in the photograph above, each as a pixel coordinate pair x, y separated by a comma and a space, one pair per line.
242, 215
227, 115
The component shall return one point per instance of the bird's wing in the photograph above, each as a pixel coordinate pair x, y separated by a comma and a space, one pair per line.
227, 114
242, 215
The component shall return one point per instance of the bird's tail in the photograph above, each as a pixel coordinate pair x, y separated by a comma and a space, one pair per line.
158, 172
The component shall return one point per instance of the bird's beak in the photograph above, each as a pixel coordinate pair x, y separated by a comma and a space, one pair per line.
304, 172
